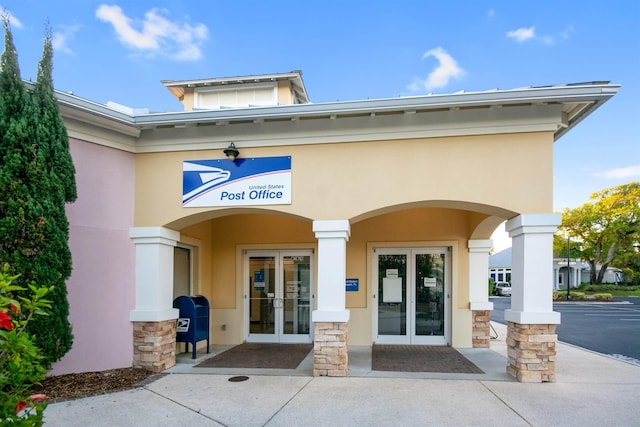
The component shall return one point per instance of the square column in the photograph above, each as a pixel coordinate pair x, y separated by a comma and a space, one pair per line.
331, 317
531, 337
154, 318
479, 292
532, 269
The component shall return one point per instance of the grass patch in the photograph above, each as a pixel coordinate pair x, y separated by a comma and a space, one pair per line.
614, 290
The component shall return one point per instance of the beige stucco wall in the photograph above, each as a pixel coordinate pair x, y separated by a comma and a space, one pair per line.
285, 95
499, 174
222, 274
413, 192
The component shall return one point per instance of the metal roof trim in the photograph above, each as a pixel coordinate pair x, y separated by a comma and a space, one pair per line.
554, 94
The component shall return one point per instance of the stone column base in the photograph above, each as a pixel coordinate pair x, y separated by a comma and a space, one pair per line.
481, 328
330, 349
531, 351
154, 345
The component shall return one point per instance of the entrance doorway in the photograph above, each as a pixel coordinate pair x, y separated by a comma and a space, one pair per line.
278, 296
411, 296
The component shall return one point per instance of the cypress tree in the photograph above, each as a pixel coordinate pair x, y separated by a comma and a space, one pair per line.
54, 268
40, 177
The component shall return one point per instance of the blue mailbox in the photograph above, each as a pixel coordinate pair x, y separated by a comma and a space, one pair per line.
193, 321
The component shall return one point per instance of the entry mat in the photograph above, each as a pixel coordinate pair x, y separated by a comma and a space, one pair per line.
259, 355
421, 358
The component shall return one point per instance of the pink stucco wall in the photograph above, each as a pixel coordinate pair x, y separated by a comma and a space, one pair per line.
101, 289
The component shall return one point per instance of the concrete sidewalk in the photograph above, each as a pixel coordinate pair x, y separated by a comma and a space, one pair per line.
591, 389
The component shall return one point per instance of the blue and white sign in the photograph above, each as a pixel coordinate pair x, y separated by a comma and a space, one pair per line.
352, 285
245, 182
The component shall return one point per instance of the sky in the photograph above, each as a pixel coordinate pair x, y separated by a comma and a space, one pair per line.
120, 51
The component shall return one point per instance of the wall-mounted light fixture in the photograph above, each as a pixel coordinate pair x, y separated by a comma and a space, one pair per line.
231, 152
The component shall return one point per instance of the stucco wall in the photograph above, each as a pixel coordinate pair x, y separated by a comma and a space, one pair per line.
505, 174
101, 289
223, 239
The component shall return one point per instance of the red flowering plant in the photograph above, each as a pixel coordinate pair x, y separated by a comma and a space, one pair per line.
21, 365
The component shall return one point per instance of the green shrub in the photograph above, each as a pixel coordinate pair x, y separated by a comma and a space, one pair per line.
21, 365
603, 297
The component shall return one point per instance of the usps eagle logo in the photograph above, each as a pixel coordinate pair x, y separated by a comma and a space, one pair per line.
201, 178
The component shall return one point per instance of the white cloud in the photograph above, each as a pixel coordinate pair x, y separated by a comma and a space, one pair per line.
447, 68
60, 39
15, 22
566, 33
522, 34
548, 40
628, 172
156, 34
525, 34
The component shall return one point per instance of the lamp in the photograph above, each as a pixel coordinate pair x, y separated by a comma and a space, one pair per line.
231, 152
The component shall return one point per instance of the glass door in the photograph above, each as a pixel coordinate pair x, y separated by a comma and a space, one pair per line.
411, 296
278, 296
430, 297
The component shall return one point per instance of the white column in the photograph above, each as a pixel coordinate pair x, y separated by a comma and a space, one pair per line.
154, 273
479, 274
532, 269
332, 267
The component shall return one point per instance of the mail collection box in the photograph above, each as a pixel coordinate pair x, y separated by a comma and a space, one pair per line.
193, 321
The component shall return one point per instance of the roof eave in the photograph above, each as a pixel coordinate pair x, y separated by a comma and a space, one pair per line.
593, 96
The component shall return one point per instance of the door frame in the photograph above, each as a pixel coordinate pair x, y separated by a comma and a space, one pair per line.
278, 336
411, 249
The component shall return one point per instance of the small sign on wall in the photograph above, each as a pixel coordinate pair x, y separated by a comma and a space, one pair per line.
352, 285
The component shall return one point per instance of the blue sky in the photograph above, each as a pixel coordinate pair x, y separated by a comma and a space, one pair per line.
348, 50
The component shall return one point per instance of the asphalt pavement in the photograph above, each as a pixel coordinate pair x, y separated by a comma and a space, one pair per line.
611, 328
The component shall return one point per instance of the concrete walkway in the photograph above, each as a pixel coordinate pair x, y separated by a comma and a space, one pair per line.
591, 390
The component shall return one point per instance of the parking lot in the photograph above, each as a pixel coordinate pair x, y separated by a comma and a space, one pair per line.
608, 328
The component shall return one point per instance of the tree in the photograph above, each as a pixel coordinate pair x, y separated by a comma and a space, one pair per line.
37, 178
605, 228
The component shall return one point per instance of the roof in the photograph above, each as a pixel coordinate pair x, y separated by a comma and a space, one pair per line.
501, 259
177, 87
576, 101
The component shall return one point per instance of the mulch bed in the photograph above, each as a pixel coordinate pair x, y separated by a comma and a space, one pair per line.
85, 384
421, 358
261, 356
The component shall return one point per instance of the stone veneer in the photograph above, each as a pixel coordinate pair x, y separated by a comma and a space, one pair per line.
531, 351
330, 349
481, 328
154, 345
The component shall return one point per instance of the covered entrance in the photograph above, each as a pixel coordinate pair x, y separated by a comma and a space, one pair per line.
411, 296
278, 296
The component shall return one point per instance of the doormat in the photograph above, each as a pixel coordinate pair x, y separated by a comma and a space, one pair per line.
259, 355
421, 358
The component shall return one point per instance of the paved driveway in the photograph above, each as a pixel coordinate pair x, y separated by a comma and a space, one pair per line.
608, 328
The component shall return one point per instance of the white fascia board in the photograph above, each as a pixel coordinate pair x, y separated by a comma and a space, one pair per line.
485, 121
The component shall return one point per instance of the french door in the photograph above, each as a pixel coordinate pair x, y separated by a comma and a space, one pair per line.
278, 296
411, 296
